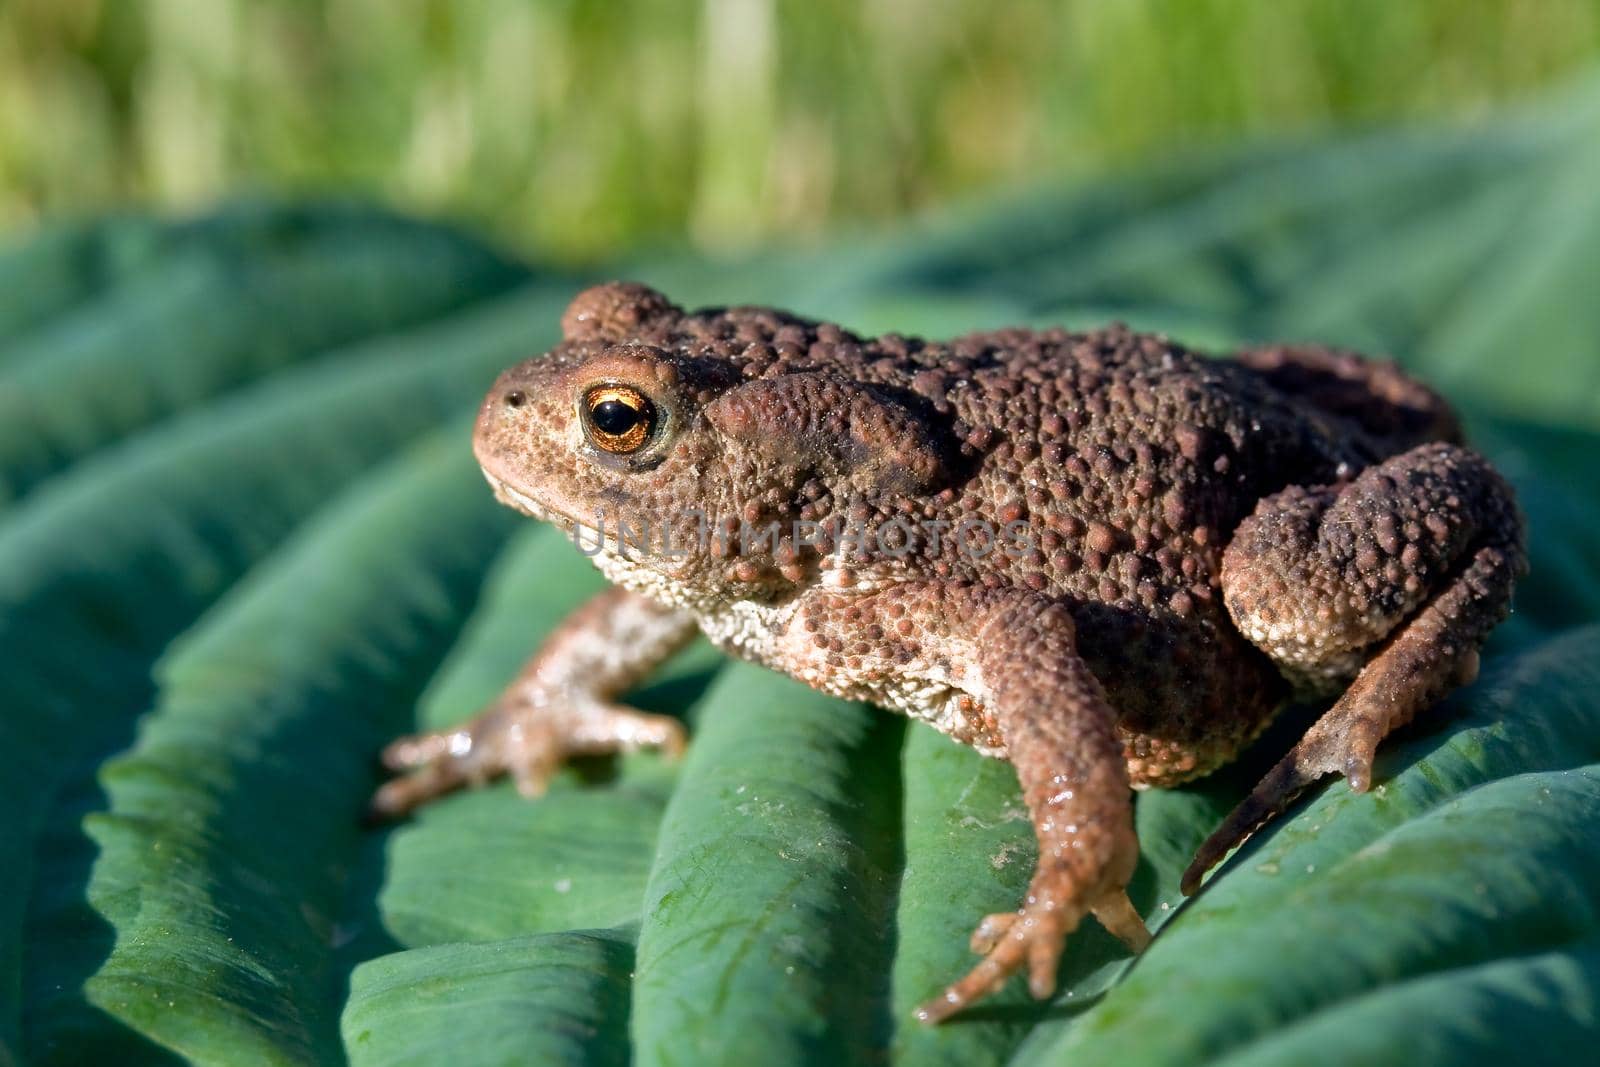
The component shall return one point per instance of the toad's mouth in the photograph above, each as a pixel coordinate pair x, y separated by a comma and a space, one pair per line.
628, 565
516, 499
592, 539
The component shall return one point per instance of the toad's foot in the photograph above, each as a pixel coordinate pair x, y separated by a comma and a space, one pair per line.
529, 741
1406, 570
1033, 936
560, 706
1060, 734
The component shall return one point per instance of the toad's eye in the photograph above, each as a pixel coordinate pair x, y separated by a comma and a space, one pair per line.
619, 418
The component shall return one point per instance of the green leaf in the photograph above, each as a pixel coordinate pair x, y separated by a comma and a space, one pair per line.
99, 572
247, 545
211, 307
1477, 847
555, 998
772, 891
246, 779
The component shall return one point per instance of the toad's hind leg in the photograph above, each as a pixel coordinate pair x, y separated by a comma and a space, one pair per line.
1390, 405
1397, 579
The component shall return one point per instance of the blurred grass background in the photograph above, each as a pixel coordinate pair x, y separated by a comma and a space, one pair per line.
581, 127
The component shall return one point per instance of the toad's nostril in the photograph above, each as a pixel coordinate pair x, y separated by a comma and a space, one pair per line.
515, 398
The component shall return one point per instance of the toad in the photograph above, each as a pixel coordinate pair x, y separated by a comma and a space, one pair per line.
1100, 556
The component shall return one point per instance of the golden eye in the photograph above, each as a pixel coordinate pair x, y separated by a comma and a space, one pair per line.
619, 418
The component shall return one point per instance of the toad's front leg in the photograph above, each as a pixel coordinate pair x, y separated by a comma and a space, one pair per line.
1060, 734
561, 705
1011, 655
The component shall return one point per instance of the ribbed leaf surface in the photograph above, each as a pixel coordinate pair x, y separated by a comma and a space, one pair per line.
244, 543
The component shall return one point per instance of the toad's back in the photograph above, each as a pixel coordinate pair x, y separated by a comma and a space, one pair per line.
1156, 453
1126, 452
1130, 461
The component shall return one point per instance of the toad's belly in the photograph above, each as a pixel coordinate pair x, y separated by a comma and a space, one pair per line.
1188, 693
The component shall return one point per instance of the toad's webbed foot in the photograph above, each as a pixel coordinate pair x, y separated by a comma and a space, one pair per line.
560, 706
1396, 578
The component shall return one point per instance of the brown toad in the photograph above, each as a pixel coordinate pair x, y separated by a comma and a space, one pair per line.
1098, 555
